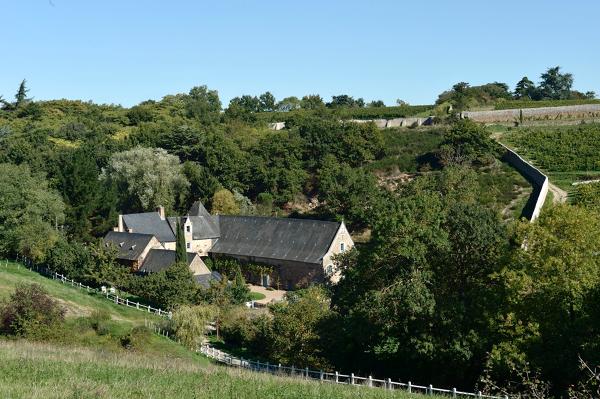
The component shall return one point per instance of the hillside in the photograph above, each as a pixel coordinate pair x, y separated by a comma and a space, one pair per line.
566, 153
90, 365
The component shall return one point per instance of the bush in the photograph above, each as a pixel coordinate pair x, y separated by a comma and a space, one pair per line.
137, 338
31, 312
98, 321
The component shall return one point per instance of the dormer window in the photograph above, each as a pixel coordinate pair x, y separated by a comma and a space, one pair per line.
133, 247
121, 244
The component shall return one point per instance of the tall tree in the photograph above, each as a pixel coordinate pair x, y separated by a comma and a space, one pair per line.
525, 89
29, 212
146, 178
21, 95
180, 249
267, 102
556, 85
204, 105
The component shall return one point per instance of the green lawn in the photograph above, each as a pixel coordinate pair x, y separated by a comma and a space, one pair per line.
33, 370
257, 296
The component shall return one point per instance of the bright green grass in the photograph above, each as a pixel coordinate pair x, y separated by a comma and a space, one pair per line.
31, 370
77, 302
257, 296
80, 304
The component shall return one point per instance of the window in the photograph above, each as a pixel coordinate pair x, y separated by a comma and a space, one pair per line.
342, 247
188, 245
329, 269
188, 228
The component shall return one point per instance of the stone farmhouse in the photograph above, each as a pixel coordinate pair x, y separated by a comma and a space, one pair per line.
291, 252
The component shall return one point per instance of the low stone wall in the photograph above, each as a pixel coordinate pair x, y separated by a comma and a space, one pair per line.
550, 113
380, 123
538, 180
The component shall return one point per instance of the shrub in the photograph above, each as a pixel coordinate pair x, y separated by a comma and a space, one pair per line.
137, 338
98, 321
31, 312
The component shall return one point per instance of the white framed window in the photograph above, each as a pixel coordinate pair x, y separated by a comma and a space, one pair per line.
329, 269
342, 247
188, 245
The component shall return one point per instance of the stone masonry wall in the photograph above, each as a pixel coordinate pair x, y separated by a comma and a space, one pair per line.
538, 180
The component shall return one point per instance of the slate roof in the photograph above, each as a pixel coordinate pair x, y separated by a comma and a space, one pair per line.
203, 227
149, 223
198, 209
160, 259
298, 240
129, 245
205, 279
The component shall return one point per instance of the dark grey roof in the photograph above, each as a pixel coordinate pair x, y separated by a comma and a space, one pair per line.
149, 223
198, 209
160, 259
205, 279
130, 245
300, 240
203, 227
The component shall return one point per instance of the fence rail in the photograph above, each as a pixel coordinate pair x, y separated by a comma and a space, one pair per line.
108, 295
335, 378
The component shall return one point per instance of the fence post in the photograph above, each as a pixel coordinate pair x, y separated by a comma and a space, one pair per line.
337, 377
430, 389
137, 305
127, 301
307, 373
454, 392
292, 371
241, 362
321, 375
267, 364
351, 378
117, 299
279, 368
370, 381
389, 383
479, 394
409, 387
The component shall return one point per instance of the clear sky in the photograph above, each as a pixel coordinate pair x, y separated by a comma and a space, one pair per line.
126, 51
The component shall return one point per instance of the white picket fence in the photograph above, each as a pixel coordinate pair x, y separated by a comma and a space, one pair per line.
335, 378
107, 294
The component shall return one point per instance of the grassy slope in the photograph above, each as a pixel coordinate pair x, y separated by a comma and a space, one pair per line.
80, 303
85, 364
47, 371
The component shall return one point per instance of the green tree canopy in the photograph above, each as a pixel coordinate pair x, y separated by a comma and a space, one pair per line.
149, 176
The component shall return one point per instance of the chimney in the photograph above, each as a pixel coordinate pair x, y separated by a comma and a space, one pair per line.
120, 224
161, 212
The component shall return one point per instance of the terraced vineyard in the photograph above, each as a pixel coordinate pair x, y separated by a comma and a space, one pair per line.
566, 153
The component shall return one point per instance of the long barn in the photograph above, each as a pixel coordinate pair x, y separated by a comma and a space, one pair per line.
294, 252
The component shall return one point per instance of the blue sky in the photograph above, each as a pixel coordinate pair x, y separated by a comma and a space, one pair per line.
128, 51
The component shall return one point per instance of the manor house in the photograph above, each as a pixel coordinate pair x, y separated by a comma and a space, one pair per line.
295, 252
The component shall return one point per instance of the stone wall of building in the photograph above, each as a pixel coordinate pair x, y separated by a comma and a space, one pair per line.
341, 238
201, 247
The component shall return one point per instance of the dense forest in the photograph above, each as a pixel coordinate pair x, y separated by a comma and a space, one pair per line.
442, 290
